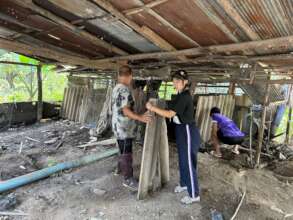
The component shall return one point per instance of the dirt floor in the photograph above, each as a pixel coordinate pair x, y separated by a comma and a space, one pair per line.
92, 192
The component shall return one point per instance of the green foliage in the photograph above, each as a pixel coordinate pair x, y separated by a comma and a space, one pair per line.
19, 83
283, 127
166, 89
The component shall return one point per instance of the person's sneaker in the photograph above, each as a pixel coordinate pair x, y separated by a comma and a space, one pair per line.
131, 184
188, 200
179, 189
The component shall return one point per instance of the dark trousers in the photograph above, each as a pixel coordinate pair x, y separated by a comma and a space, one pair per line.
229, 140
125, 145
125, 158
188, 143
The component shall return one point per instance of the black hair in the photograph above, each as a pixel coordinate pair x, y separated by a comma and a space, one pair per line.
125, 71
180, 74
215, 110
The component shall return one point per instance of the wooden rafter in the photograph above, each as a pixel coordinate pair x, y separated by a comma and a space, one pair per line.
233, 14
270, 45
17, 63
144, 31
167, 23
62, 22
52, 54
243, 81
144, 7
206, 8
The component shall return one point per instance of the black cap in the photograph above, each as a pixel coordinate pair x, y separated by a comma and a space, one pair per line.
180, 74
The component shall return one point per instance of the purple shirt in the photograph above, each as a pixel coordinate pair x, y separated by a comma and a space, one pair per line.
227, 126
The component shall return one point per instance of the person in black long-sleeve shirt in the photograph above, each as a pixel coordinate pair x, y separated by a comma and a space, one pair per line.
181, 110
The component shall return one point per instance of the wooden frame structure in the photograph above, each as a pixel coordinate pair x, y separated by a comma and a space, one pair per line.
212, 39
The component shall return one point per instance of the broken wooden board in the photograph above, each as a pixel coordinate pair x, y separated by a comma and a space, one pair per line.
154, 171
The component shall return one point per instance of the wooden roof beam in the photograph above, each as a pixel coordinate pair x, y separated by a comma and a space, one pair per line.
168, 24
280, 44
144, 31
52, 54
234, 15
245, 81
144, 7
17, 63
206, 8
62, 22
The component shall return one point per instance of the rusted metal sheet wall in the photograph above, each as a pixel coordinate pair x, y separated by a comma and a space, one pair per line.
82, 105
204, 104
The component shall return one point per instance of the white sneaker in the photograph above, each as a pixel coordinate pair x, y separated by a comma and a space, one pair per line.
188, 200
179, 189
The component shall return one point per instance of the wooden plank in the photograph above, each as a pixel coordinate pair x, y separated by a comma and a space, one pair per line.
172, 27
144, 7
164, 154
74, 104
67, 102
155, 169
206, 8
234, 15
72, 89
79, 99
147, 158
17, 63
51, 54
63, 108
280, 44
40, 93
144, 31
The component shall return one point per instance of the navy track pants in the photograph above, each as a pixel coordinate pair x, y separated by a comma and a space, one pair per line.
188, 143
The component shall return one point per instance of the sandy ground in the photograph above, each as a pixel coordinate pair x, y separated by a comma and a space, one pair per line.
93, 192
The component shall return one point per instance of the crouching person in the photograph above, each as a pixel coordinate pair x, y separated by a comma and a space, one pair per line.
124, 125
224, 130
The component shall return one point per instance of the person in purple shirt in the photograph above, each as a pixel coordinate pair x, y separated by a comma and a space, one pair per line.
224, 130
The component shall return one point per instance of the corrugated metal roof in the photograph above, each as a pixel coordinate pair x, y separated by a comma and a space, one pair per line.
99, 18
184, 24
185, 15
268, 18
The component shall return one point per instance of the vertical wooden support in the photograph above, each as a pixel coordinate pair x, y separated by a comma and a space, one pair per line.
262, 125
289, 126
165, 90
63, 108
232, 88
288, 130
154, 171
40, 93
192, 88
164, 154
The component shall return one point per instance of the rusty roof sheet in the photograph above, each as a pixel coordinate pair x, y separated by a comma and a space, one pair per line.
268, 18
182, 23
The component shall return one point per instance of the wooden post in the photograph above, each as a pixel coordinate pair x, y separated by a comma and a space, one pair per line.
262, 125
165, 90
289, 126
289, 115
232, 88
40, 93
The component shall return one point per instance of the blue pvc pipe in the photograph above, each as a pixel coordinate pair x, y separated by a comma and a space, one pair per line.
40, 174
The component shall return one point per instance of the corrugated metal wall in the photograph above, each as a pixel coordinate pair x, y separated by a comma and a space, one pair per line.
204, 104
83, 105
